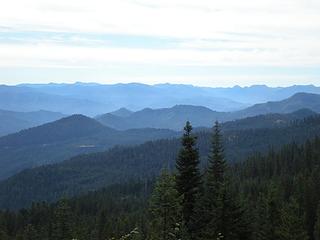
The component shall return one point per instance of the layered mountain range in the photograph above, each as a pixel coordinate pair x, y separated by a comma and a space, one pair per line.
93, 99
175, 117
101, 144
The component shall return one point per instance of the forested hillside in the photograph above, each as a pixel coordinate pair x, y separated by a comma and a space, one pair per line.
266, 197
64, 138
77, 134
93, 171
271, 120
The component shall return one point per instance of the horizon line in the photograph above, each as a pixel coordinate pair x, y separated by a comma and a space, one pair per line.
156, 84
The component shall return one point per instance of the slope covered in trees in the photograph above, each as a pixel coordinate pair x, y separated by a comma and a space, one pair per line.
268, 196
271, 120
93, 171
64, 138
78, 134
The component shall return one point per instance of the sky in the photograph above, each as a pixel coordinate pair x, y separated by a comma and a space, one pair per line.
200, 42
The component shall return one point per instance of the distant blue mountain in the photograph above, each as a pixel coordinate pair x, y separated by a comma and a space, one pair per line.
26, 99
136, 96
122, 112
92, 99
169, 118
11, 122
294, 103
175, 117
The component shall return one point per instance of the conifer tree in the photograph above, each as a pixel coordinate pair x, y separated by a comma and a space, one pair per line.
268, 215
62, 225
291, 225
101, 224
316, 233
188, 179
216, 161
221, 213
30, 233
3, 235
165, 208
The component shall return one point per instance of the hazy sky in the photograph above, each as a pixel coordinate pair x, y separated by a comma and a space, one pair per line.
201, 42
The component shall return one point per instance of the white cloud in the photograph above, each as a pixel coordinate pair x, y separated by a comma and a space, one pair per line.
187, 18
211, 32
78, 56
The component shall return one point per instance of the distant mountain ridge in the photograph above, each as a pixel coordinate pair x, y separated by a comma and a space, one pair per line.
270, 120
122, 112
170, 118
175, 117
135, 96
294, 103
11, 122
25, 99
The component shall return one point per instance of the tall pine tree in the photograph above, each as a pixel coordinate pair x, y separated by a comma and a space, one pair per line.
62, 223
188, 179
30, 233
291, 225
268, 214
221, 213
216, 161
316, 233
165, 208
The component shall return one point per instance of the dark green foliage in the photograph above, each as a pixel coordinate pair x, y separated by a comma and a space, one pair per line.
165, 208
3, 235
216, 161
30, 233
111, 212
220, 213
188, 179
317, 225
93, 171
289, 173
268, 214
266, 197
61, 229
291, 223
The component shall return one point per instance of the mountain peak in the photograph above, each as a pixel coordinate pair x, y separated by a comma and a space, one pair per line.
74, 126
294, 103
304, 95
122, 112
